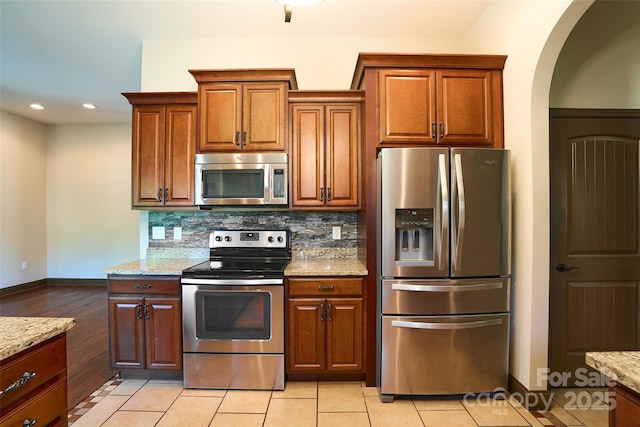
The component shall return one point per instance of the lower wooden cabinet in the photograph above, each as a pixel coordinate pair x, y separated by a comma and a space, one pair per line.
325, 326
145, 323
34, 385
626, 412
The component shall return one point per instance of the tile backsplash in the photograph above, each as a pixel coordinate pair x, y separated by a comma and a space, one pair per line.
311, 232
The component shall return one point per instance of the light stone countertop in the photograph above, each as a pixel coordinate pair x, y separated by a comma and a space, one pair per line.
325, 267
154, 266
297, 267
620, 366
20, 333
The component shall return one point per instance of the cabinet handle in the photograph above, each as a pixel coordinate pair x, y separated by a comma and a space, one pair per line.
433, 129
441, 129
322, 194
330, 312
159, 198
18, 383
325, 287
166, 195
244, 138
139, 286
138, 311
322, 312
146, 311
28, 422
237, 137
328, 194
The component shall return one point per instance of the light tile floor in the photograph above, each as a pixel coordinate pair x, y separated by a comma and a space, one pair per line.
141, 403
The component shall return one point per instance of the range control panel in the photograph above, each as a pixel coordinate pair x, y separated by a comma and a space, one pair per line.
248, 239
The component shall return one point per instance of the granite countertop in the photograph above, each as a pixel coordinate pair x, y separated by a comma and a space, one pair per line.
297, 267
20, 333
325, 267
154, 266
621, 366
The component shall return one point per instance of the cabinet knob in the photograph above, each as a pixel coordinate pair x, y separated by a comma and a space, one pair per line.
159, 194
325, 287
433, 129
322, 194
166, 195
322, 312
237, 137
329, 312
139, 286
244, 138
441, 129
328, 194
29, 422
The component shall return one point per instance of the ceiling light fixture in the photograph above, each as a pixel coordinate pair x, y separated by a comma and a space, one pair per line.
288, 6
36, 106
89, 106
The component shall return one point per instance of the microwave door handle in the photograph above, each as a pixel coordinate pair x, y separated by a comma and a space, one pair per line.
460, 209
268, 184
444, 214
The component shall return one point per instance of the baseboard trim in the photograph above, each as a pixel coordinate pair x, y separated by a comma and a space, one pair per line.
532, 400
24, 287
76, 282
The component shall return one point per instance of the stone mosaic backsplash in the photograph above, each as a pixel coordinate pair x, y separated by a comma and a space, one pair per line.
311, 232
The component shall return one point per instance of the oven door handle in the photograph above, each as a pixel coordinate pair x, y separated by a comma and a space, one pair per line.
233, 282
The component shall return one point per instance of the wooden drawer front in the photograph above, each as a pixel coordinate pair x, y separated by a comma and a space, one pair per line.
142, 285
325, 287
45, 362
45, 407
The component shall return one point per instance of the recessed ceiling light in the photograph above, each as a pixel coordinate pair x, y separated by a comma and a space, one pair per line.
36, 106
89, 106
298, 2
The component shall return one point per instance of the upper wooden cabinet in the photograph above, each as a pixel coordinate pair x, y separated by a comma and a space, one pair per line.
453, 100
163, 149
243, 110
325, 149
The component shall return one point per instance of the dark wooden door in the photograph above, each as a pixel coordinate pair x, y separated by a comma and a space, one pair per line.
126, 332
595, 236
148, 155
341, 152
180, 146
163, 333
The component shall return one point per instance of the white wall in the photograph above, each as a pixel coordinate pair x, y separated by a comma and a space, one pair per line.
22, 200
599, 66
90, 224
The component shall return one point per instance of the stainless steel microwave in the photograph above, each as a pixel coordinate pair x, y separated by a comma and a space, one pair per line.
241, 179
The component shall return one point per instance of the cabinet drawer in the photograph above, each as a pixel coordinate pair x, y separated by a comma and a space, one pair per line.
144, 285
45, 362
45, 407
324, 287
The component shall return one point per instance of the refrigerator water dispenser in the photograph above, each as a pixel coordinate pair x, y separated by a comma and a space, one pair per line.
414, 237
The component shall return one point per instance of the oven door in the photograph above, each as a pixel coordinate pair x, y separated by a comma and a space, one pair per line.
238, 318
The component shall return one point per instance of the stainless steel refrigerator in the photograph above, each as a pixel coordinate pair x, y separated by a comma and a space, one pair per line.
444, 224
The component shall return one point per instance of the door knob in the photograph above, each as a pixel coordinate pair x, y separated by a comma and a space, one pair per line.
560, 267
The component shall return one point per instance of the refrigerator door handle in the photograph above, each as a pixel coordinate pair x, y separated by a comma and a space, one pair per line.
431, 325
444, 218
459, 200
445, 288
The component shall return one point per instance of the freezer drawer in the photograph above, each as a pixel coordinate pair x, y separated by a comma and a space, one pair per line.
425, 297
431, 355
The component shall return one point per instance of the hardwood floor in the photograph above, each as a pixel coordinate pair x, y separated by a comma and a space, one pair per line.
87, 342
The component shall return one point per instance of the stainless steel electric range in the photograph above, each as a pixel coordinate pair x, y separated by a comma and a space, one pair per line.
233, 312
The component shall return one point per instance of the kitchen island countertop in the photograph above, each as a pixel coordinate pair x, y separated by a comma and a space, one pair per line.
21, 333
297, 267
621, 366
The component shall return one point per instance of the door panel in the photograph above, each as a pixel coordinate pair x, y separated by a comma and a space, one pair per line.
595, 251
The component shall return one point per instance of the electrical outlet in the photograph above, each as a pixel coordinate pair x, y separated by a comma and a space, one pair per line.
177, 233
157, 233
24, 265
337, 232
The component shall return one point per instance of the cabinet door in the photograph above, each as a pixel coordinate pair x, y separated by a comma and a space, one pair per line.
341, 153
307, 160
407, 106
344, 334
264, 113
148, 155
163, 333
220, 117
466, 107
180, 144
306, 335
126, 332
